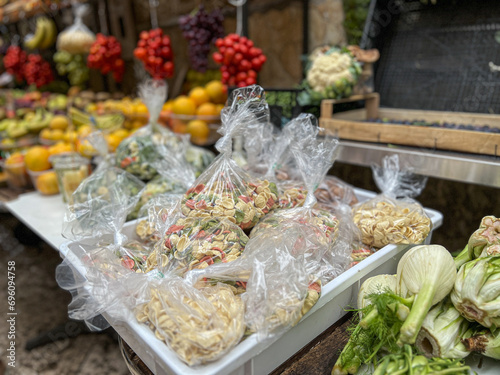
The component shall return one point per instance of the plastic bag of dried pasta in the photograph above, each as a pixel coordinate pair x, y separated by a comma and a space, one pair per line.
314, 158
393, 217
139, 153
332, 192
102, 201
197, 242
154, 215
199, 324
275, 277
224, 189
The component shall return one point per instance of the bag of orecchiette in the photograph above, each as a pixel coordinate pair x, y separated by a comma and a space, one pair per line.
199, 324
224, 189
393, 217
275, 277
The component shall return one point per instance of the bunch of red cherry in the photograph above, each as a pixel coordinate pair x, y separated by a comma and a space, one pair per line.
14, 61
155, 51
240, 60
37, 71
106, 55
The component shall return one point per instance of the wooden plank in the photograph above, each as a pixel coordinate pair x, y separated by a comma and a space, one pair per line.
420, 136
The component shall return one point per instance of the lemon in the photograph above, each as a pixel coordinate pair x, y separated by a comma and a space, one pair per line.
207, 109
199, 130
199, 95
217, 91
37, 159
184, 106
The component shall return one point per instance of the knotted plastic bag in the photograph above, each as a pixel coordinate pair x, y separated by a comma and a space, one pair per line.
77, 38
332, 192
393, 217
224, 189
314, 157
199, 324
139, 154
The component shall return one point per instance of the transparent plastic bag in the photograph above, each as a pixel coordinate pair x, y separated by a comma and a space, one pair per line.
141, 153
199, 158
191, 243
199, 325
274, 276
224, 189
393, 217
100, 280
77, 38
332, 191
314, 158
155, 214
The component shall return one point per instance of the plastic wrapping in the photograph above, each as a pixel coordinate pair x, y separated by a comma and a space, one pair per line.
77, 38
141, 153
199, 325
393, 217
191, 243
224, 189
332, 191
155, 214
102, 201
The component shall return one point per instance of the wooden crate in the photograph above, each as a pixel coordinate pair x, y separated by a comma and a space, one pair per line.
353, 125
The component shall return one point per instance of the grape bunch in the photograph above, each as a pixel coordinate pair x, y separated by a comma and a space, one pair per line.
14, 61
201, 31
155, 52
73, 66
240, 60
106, 56
37, 71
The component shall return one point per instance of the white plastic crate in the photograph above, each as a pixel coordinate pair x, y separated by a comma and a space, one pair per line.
251, 357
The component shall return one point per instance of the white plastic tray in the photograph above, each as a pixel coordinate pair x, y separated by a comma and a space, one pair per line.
251, 357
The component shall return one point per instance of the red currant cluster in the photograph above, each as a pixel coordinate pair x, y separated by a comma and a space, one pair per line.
14, 61
240, 60
155, 51
37, 71
106, 56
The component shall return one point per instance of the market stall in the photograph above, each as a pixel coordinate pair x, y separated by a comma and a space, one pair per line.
195, 206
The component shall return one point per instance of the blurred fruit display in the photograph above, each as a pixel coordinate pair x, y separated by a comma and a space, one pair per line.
105, 55
73, 66
155, 51
14, 61
44, 36
37, 71
240, 60
201, 30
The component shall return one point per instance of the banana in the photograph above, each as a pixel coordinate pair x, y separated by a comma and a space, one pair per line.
37, 38
50, 33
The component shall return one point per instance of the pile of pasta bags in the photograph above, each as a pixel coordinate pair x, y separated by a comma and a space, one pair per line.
238, 252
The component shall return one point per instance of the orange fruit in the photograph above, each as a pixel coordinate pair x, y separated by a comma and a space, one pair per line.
184, 106
47, 183
217, 91
198, 129
57, 135
207, 109
121, 133
59, 122
113, 141
37, 159
70, 136
84, 130
168, 106
178, 126
46, 133
199, 95
59, 148
140, 108
219, 108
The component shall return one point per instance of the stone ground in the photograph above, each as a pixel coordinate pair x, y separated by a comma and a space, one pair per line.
41, 305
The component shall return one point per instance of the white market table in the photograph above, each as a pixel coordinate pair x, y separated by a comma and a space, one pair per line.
42, 214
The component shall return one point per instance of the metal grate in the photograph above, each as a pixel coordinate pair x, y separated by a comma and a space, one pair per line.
437, 57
